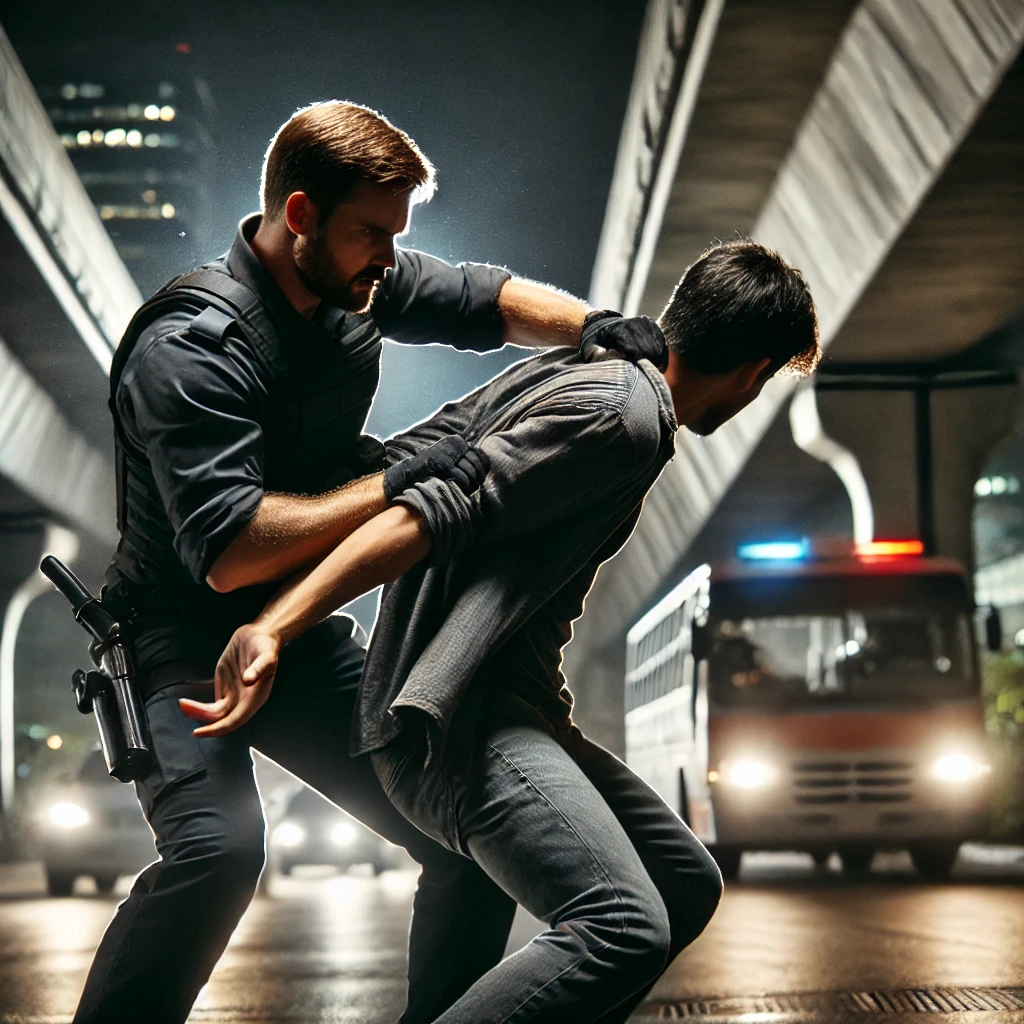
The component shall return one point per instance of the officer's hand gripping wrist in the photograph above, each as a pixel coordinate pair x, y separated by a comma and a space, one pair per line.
451, 458
607, 334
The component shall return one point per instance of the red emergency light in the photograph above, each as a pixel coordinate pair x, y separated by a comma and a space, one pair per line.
888, 548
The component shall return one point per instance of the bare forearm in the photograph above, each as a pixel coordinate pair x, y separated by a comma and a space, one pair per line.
375, 554
537, 315
289, 531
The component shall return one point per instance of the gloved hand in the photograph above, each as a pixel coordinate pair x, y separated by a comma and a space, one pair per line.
609, 335
451, 458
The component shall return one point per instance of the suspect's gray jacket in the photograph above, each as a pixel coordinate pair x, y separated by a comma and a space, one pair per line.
574, 447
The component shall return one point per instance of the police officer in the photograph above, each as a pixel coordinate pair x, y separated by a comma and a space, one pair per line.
239, 395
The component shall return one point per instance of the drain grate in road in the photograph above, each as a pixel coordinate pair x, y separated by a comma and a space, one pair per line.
908, 1000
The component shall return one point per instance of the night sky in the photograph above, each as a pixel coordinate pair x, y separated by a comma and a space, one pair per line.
519, 105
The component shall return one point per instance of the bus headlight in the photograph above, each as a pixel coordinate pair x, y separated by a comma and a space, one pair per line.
289, 834
749, 773
958, 767
68, 816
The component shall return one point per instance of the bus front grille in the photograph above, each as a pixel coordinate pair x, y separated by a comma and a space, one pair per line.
846, 782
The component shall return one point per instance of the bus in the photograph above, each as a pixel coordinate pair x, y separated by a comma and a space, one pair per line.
786, 702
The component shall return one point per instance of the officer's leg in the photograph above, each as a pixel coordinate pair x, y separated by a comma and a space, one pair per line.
202, 803
461, 919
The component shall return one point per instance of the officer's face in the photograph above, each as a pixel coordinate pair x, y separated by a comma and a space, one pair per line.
345, 259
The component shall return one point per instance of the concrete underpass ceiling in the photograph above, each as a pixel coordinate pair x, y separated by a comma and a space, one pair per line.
766, 63
824, 129
955, 275
957, 271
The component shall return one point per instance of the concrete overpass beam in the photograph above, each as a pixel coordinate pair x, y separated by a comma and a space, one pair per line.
879, 429
48, 459
905, 83
966, 426
43, 199
896, 101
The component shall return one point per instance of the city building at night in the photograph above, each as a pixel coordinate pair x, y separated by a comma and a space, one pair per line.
143, 147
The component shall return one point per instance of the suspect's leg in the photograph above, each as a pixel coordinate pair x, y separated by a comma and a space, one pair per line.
687, 878
528, 815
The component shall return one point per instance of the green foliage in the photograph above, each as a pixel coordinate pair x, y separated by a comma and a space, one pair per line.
1003, 696
1003, 691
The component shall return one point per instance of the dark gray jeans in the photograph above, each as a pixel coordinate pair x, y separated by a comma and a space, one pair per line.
202, 803
568, 831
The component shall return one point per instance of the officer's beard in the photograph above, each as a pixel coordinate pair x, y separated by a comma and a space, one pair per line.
319, 273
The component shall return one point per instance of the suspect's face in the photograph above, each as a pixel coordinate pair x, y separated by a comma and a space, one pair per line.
346, 258
724, 409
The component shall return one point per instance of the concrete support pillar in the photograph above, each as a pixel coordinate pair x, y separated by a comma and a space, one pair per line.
878, 427
920, 452
966, 426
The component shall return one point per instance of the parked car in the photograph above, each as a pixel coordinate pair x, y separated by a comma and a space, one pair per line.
94, 826
314, 831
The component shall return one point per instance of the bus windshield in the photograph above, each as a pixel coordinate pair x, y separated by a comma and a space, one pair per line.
783, 642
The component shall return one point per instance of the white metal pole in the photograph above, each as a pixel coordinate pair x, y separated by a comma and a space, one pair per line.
63, 544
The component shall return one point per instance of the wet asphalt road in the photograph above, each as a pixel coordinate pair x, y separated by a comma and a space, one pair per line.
321, 949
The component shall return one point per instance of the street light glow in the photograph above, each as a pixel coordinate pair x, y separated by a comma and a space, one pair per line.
343, 833
68, 815
289, 834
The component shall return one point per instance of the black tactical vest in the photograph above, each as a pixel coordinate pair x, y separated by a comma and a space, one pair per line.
309, 445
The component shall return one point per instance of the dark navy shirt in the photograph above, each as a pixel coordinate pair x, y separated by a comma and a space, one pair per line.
199, 413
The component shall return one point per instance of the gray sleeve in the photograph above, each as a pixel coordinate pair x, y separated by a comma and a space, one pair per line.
425, 301
561, 458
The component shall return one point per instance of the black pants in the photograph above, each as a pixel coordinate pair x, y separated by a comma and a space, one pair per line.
202, 803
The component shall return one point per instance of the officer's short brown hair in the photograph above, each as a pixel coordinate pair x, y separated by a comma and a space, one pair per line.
327, 148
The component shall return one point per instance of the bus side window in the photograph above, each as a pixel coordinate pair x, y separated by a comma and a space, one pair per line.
697, 641
701, 642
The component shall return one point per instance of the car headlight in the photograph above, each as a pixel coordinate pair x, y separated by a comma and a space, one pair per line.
68, 815
958, 767
749, 773
343, 833
289, 834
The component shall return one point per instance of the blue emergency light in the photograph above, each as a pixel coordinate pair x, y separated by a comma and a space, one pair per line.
776, 551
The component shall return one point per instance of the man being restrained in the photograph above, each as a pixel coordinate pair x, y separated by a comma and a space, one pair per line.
462, 703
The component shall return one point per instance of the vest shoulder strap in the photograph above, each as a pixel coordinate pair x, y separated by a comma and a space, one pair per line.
219, 301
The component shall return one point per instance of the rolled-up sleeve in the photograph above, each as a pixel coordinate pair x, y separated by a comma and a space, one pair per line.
425, 301
559, 459
196, 413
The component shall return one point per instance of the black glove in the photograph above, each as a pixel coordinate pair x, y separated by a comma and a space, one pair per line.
607, 334
451, 458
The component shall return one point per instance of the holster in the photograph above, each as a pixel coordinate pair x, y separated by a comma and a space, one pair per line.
109, 691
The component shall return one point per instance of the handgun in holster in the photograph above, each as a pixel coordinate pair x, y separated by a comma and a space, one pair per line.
109, 691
